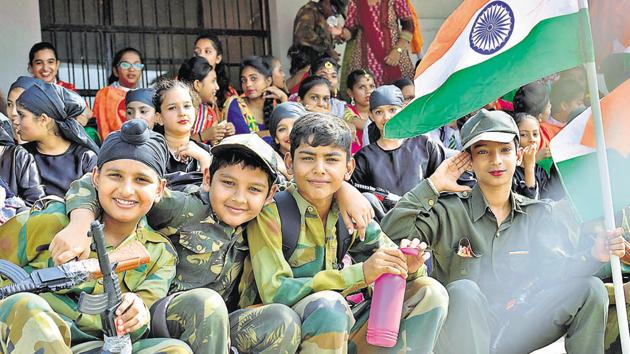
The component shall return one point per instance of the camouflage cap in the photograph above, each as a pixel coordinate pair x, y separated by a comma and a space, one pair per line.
488, 125
252, 143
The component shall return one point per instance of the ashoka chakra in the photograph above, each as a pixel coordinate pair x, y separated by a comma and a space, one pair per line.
492, 28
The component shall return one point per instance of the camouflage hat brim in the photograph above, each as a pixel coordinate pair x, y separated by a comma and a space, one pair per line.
217, 149
499, 137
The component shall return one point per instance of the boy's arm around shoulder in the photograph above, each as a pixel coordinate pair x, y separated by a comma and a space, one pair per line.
178, 208
274, 276
174, 208
82, 195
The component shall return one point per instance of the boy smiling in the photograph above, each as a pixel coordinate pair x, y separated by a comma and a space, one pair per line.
129, 179
312, 280
213, 286
212, 280
512, 284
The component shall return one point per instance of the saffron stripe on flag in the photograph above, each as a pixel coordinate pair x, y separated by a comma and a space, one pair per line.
553, 45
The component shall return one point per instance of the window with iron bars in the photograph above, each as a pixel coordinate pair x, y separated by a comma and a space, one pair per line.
87, 33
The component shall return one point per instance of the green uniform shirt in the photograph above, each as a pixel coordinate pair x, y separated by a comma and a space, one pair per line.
466, 242
313, 265
211, 254
31, 235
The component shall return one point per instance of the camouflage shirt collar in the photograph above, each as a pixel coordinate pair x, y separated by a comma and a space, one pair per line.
309, 210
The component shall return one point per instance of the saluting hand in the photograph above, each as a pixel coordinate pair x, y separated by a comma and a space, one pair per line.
445, 177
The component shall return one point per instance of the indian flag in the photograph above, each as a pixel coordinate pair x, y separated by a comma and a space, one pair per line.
573, 151
486, 49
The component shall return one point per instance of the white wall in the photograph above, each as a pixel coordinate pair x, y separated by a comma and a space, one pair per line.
281, 16
20, 30
282, 13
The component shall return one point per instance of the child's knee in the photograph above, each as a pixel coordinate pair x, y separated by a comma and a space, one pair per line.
327, 307
428, 293
281, 316
200, 301
24, 304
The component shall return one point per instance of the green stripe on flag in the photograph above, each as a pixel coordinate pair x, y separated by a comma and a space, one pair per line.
580, 177
553, 45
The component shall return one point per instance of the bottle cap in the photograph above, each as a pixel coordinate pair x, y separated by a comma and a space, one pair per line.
410, 251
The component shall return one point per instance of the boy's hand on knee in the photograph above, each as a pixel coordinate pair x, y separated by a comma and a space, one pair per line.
73, 241
415, 262
131, 314
384, 261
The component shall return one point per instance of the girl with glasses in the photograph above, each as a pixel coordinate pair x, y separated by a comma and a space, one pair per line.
109, 105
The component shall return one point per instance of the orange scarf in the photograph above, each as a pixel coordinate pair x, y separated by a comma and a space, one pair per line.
417, 41
109, 109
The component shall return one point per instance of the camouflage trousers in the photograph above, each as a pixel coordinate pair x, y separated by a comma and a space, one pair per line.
612, 343
200, 318
329, 325
29, 325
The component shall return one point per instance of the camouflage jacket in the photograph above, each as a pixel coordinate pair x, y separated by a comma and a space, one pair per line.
31, 234
313, 265
311, 29
211, 254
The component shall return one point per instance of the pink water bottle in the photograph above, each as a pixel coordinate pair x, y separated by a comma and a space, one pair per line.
386, 308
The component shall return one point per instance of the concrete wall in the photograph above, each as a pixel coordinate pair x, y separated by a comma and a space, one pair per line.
20, 30
282, 13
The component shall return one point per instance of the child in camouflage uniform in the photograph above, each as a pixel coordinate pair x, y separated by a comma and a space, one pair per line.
214, 276
311, 280
129, 179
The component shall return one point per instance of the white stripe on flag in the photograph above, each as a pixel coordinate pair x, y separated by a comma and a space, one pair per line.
567, 143
528, 14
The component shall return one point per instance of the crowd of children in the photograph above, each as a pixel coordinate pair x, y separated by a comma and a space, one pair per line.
260, 207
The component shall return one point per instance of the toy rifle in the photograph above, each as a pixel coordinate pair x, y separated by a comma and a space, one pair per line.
386, 197
74, 273
70, 274
105, 304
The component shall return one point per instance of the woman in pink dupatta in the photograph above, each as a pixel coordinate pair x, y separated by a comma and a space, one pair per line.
384, 51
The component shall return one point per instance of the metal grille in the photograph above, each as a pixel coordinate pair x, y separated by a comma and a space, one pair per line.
87, 33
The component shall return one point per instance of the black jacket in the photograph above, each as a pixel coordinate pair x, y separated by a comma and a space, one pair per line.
18, 170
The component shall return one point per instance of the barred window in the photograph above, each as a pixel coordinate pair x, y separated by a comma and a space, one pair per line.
87, 33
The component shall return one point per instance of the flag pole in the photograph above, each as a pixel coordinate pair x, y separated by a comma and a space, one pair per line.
604, 177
